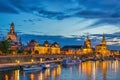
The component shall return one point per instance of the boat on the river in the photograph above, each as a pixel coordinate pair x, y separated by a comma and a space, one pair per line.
69, 62
52, 65
32, 67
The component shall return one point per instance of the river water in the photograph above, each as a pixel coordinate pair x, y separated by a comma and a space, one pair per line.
90, 70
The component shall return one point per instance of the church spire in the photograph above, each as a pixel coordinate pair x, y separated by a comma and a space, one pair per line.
12, 28
12, 35
87, 42
103, 40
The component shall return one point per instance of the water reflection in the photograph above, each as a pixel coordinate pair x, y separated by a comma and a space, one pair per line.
32, 77
104, 70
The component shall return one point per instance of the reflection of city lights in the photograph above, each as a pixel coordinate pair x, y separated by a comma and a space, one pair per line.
17, 74
53, 73
89, 70
94, 71
79, 68
41, 76
6, 77
115, 65
70, 69
31, 76
47, 73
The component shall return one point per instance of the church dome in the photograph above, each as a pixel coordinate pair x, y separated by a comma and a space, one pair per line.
11, 34
46, 43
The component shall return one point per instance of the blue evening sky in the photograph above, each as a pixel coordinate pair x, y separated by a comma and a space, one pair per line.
68, 18
61, 17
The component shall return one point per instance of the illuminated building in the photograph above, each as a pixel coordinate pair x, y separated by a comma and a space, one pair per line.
55, 48
87, 49
12, 34
46, 48
102, 48
71, 49
13, 39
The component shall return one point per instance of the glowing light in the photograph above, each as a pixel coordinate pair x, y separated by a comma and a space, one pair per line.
41, 59
32, 77
17, 75
6, 77
32, 60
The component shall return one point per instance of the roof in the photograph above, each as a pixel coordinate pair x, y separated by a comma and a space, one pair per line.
12, 24
73, 46
46, 42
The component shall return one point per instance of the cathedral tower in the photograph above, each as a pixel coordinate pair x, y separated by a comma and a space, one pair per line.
103, 41
12, 36
87, 42
12, 28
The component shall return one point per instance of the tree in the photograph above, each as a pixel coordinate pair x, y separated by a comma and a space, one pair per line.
4, 46
29, 51
36, 52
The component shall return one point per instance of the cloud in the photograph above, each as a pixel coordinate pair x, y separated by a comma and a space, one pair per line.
107, 12
37, 32
6, 7
53, 14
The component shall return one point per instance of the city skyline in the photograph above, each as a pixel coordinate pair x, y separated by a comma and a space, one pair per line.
59, 39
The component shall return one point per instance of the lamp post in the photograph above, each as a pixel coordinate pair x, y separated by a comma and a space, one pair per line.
32, 61
40, 59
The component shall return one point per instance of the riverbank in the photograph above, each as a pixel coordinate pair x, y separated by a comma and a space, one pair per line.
28, 58
15, 61
104, 70
11, 66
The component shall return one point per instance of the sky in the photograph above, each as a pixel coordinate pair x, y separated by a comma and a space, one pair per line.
60, 17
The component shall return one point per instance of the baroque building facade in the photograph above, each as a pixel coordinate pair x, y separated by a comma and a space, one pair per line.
78, 49
87, 49
12, 34
46, 48
13, 39
101, 49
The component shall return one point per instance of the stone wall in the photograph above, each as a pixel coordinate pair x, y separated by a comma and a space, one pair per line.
14, 59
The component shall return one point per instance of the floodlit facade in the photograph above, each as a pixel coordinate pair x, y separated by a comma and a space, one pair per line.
12, 34
46, 48
71, 49
87, 49
13, 39
81, 49
102, 48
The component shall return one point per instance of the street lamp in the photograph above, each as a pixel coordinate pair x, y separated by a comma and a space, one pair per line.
40, 59
32, 60
17, 61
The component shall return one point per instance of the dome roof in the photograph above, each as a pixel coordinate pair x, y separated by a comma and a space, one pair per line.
46, 42
56, 43
12, 24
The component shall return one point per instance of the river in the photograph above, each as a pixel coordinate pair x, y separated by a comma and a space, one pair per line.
90, 70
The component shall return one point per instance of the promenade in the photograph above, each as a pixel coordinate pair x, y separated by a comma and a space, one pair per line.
9, 66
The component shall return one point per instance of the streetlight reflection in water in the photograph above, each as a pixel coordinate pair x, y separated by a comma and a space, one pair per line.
90, 70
